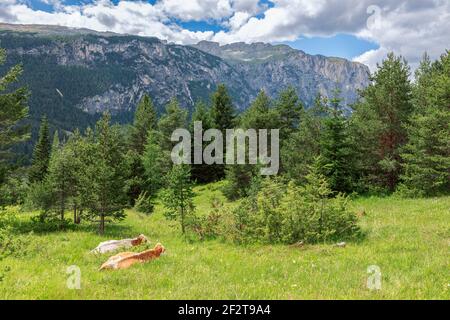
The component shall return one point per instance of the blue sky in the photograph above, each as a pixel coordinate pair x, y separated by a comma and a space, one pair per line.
341, 45
361, 30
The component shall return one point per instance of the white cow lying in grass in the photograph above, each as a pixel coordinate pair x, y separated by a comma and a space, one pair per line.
113, 245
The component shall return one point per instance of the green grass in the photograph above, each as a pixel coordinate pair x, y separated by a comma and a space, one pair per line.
408, 239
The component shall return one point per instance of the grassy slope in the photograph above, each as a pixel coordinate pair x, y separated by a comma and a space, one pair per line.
408, 239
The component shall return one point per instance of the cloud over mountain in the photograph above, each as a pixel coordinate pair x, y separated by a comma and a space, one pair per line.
407, 27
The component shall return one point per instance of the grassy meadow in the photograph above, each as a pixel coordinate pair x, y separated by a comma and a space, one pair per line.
408, 239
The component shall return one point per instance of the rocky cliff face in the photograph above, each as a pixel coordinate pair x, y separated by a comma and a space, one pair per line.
124, 67
273, 67
93, 72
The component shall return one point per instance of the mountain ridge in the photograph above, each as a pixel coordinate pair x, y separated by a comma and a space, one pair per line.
93, 71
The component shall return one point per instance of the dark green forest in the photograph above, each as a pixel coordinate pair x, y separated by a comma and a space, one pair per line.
396, 139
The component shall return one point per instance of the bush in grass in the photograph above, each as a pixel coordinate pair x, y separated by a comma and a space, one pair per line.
9, 243
8, 217
315, 217
218, 223
144, 203
289, 214
39, 196
47, 221
13, 190
257, 218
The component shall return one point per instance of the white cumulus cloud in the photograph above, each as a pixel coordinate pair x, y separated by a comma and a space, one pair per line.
410, 30
407, 27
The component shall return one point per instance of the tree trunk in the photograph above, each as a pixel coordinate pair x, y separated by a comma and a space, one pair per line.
182, 221
102, 224
182, 212
62, 209
75, 218
80, 213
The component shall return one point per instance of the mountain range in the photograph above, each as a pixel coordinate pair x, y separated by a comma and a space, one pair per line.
75, 74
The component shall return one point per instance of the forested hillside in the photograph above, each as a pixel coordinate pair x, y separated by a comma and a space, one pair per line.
74, 75
395, 140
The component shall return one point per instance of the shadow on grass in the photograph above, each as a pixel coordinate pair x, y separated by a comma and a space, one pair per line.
41, 228
357, 238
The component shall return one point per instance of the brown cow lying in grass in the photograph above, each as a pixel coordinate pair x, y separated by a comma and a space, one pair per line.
113, 245
124, 260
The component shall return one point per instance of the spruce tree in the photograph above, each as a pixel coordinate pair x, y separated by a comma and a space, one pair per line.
145, 121
84, 149
41, 154
201, 172
303, 147
427, 154
178, 195
379, 122
62, 179
108, 174
156, 163
223, 114
174, 118
203, 114
335, 149
423, 87
260, 115
13, 110
289, 109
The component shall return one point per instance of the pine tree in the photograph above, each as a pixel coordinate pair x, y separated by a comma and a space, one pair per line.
174, 118
203, 114
427, 154
13, 110
84, 150
290, 110
62, 179
422, 89
156, 163
108, 174
156, 158
41, 155
202, 172
335, 149
260, 115
178, 196
223, 114
69, 183
379, 123
145, 119
303, 147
